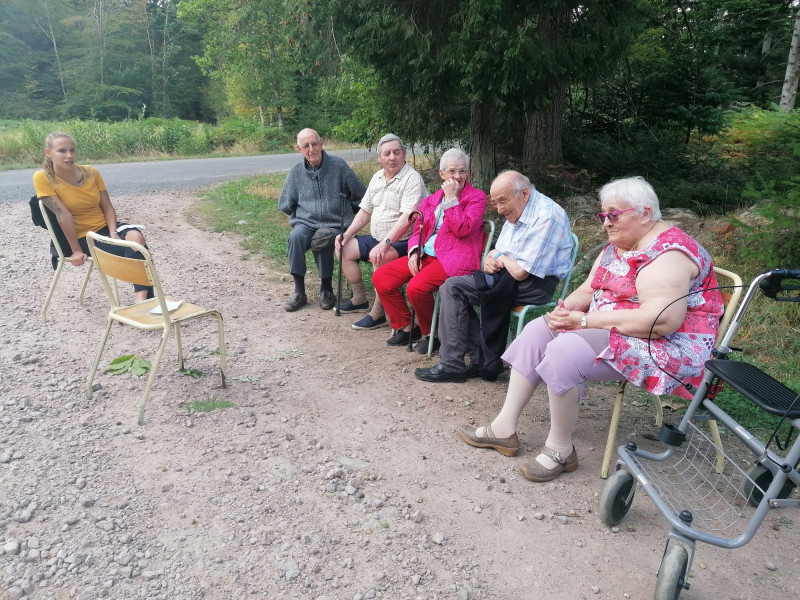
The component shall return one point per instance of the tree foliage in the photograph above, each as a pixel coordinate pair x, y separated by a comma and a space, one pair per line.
450, 69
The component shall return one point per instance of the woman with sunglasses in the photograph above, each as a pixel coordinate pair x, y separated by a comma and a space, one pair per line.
647, 313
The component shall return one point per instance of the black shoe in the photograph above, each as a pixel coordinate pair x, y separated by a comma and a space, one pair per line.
473, 371
437, 374
296, 301
369, 323
400, 337
422, 347
327, 300
349, 307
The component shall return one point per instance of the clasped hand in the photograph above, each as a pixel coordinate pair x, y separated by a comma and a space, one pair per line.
560, 319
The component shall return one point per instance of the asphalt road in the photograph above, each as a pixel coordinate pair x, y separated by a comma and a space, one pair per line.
150, 177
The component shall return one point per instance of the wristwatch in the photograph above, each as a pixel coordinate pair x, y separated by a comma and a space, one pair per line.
388, 241
584, 321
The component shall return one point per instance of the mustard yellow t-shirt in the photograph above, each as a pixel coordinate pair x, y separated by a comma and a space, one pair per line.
82, 201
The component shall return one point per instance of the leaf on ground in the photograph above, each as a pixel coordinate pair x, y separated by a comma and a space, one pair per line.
194, 373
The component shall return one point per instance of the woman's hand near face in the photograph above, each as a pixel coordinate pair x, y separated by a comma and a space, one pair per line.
452, 188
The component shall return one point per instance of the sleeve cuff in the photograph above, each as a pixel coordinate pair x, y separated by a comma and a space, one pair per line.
450, 204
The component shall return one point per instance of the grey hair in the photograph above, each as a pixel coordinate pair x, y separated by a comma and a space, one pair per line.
453, 155
636, 192
307, 129
390, 137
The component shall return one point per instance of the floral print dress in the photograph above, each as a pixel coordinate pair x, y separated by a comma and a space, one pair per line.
649, 363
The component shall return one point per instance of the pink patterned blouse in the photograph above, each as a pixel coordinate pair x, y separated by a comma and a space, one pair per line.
682, 353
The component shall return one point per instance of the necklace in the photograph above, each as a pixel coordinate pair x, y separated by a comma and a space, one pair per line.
636, 245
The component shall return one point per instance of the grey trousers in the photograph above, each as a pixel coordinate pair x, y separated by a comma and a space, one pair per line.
459, 325
300, 243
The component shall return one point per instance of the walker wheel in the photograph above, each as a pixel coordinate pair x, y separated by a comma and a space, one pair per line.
671, 578
758, 480
616, 497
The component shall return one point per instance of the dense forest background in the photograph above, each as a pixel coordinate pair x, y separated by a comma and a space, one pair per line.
696, 95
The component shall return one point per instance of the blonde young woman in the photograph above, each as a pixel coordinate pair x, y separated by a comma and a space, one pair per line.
77, 196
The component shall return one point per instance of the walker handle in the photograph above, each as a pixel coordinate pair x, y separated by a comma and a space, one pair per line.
773, 285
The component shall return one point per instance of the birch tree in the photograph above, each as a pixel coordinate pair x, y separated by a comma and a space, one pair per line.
789, 92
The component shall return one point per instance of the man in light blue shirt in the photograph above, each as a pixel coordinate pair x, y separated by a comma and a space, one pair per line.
532, 254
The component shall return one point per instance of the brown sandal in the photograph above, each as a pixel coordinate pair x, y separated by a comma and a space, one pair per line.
536, 471
508, 446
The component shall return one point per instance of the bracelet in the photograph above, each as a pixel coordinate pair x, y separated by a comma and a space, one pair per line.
498, 255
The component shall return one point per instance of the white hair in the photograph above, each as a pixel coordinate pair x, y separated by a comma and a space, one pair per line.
636, 192
389, 137
453, 155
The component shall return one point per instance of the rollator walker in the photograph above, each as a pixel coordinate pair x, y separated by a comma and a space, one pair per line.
708, 493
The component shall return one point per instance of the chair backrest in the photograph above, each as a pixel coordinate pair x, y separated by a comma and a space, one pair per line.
572, 258
57, 236
131, 270
730, 299
488, 237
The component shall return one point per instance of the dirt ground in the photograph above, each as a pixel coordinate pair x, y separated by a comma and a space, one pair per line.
335, 475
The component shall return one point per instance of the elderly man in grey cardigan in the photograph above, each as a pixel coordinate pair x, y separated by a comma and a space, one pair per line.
315, 193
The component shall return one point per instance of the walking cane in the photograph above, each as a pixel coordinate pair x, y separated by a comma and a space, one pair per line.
337, 312
412, 214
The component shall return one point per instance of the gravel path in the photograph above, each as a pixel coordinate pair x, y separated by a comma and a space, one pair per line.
335, 475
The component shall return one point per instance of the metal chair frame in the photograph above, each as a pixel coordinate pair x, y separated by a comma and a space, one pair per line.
61, 260
143, 272
521, 312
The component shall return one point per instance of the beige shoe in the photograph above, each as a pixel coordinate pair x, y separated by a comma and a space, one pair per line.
508, 446
536, 471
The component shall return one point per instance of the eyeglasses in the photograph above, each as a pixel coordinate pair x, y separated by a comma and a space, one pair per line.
310, 145
612, 216
454, 172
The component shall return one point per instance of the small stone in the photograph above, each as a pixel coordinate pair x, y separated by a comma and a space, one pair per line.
11, 547
15, 593
438, 538
538, 516
562, 519
771, 566
595, 589
86, 501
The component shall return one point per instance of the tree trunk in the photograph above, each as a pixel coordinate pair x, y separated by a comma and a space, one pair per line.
789, 92
543, 133
481, 146
51, 35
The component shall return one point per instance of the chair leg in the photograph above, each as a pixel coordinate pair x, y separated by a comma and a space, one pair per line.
658, 418
153, 370
719, 464
52, 289
98, 355
179, 345
85, 281
612, 431
434, 323
223, 360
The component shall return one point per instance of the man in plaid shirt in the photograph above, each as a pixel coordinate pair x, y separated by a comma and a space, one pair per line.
531, 255
393, 192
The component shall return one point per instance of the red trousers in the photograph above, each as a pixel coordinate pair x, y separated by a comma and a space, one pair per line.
388, 280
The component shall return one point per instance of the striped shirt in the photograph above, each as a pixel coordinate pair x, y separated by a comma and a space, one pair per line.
387, 200
540, 241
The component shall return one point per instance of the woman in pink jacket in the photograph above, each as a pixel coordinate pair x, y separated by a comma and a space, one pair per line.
452, 235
